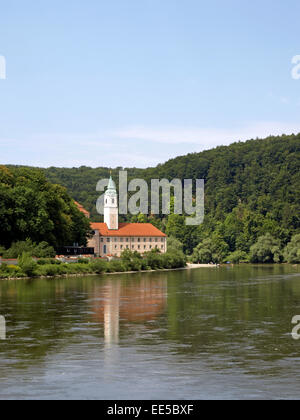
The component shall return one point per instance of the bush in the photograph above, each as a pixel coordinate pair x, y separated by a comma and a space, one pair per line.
98, 266
115, 266
210, 250
83, 260
10, 271
292, 250
132, 261
154, 260
79, 268
42, 250
27, 264
174, 245
237, 256
49, 270
17, 249
44, 261
266, 250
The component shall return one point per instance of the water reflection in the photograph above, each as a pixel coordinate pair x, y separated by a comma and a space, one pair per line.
128, 302
176, 330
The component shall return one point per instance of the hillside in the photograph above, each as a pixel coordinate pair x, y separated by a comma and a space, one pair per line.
251, 188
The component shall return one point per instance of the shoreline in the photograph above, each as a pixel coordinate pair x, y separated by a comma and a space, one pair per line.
188, 267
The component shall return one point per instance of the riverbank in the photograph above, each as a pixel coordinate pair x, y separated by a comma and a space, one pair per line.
187, 267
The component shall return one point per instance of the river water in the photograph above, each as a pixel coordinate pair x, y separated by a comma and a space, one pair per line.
209, 333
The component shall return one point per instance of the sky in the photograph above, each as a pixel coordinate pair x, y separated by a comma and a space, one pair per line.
133, 83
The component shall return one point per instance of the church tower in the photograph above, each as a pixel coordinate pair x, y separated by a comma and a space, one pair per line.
111, 206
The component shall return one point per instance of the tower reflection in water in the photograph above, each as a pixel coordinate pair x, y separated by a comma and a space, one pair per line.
119, 302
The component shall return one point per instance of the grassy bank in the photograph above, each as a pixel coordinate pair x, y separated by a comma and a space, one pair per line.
129, 262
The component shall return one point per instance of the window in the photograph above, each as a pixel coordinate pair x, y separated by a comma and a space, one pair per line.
101, 239
150, 246
121, 246
116, 246
127, 240
162, 239
108, 239
150, 239
139, 247
121, 239
132, 246
139, 239
144, 239
156, 239
127, 246
113, 201
144, 246
162, 247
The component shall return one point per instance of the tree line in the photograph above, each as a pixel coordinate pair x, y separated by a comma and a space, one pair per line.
252, 190
36, 210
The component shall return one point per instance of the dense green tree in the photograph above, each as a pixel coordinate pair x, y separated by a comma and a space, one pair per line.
27, 264
31, 207
42, 250
251, 188
174, 245
292, 250
213, 249
237, 256
267, 249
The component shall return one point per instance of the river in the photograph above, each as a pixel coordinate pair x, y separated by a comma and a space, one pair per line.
209, 333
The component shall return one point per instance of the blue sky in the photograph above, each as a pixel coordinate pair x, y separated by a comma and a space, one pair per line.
136, 82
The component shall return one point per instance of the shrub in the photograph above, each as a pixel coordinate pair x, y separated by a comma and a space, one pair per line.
80, 268
154, 260
115, 266
174, 245
17, 249
210, 249
83, 261
27, 264
237, 256
10, 271
292, 250
42, 250
48, 270
3, 268
266, 250
98, 266
44, 261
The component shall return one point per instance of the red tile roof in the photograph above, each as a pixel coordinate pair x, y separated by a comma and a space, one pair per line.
82, 209
128, 229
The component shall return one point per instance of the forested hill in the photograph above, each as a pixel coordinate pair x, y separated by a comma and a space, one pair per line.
254, 183
264, 174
